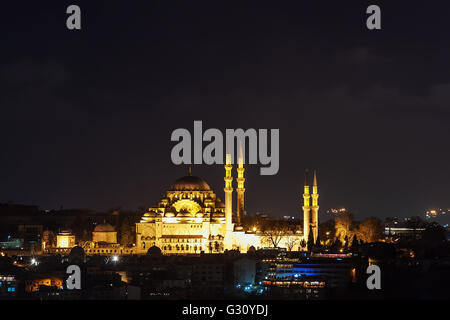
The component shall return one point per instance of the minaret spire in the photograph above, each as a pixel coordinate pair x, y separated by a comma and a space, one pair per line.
306, 180
240, 188
306, 208
315, 179
315, 195
228, 195
315, 208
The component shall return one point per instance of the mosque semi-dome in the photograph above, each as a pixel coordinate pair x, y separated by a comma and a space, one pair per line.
190, 183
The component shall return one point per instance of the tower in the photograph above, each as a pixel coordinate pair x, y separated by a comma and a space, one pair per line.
315, 208
240, 188
306, 208
228, 195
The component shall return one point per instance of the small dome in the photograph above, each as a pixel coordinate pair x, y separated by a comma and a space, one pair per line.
190, 183
219, 203
104, 227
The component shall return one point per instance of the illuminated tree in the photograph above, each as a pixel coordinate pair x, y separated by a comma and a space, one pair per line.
370, 230
346, 243
343, 226
327, 232
291, 240
273, 233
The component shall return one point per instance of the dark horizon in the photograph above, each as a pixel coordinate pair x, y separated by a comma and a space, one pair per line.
88, 114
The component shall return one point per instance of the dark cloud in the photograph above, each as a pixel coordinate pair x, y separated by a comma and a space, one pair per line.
88, 115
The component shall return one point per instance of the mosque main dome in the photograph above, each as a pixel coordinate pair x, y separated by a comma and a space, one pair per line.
190, 183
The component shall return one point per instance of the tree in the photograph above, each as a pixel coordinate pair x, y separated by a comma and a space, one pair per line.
433, 234
343, 226
274, 233
126, 231
336, 246
327, 232
354, 246
318, 245
370, 230
291, 240
78, 228
303, 243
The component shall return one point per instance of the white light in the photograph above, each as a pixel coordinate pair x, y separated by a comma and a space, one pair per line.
115, 258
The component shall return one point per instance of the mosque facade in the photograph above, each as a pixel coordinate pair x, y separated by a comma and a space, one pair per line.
191, 218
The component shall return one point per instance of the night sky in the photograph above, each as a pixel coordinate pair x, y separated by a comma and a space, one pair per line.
87, 115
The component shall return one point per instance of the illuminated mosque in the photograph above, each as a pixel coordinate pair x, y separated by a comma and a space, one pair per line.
190, 218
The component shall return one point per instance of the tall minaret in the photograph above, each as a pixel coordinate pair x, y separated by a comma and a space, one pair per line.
228, 195
306, 208
240, 188
315, 208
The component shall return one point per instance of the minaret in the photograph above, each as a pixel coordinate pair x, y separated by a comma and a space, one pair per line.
306, 208
315, 208
228, 195
240, 188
